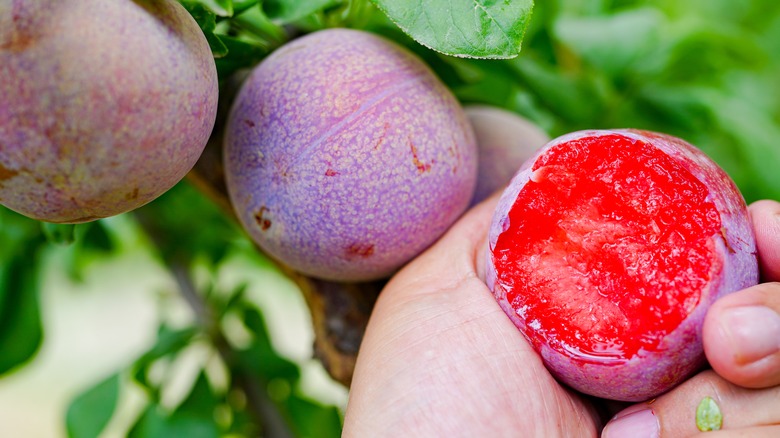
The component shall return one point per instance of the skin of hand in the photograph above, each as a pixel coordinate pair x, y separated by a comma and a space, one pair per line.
440, 358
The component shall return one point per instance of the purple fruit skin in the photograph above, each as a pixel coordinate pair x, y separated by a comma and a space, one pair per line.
504, 140
104, 105
680, 353
345, 156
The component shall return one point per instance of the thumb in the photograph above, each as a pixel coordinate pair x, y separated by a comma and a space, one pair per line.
741, 336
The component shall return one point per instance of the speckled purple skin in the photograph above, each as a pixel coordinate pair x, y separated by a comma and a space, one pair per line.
345, 156
104, 105
680, 353
504, 140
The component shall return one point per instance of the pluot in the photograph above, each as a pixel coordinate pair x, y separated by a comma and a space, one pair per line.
104, 105
346, 156
607, 249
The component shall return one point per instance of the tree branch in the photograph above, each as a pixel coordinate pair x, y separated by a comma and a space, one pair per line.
261, 407
270, 419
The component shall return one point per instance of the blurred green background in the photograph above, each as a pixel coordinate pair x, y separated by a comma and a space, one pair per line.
166, 322
706, 71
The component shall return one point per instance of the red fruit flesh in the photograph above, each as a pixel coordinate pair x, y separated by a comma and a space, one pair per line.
605, 257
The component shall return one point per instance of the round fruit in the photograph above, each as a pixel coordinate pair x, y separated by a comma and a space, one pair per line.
104, 105
345, 156
606, 251
504, 140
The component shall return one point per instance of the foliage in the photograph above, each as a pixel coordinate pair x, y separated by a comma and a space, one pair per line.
477, 28
704, 70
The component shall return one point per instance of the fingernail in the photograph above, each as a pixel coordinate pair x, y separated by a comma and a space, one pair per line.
640, 424
752, 332
631, 409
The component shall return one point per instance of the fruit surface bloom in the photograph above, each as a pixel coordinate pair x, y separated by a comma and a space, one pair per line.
345, 155
104, 105
607, 249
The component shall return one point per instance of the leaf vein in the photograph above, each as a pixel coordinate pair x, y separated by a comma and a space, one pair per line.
504, 32
462, 34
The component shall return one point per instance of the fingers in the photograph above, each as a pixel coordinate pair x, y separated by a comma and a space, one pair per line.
766, 223
750, 432
741, 332
741, 336
674, 414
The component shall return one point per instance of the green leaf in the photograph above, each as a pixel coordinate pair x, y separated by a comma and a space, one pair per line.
16, 231
313, 419
757, 133
239, 6
194, 417
156, 423
233, 300
701, 52
186, 225
677, 105
207, 20
201, 401
260, 357
91, 243
286, 11
467, 28
17, 234
21, 332
482, 81
708, 416
578, 98
150, 424
255, 322
96, 238
241, 54
59, 234
218, 48
613, 43
222, 8
90, 412
168, 342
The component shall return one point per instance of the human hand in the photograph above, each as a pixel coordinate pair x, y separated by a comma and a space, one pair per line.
440, 357
741, 338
